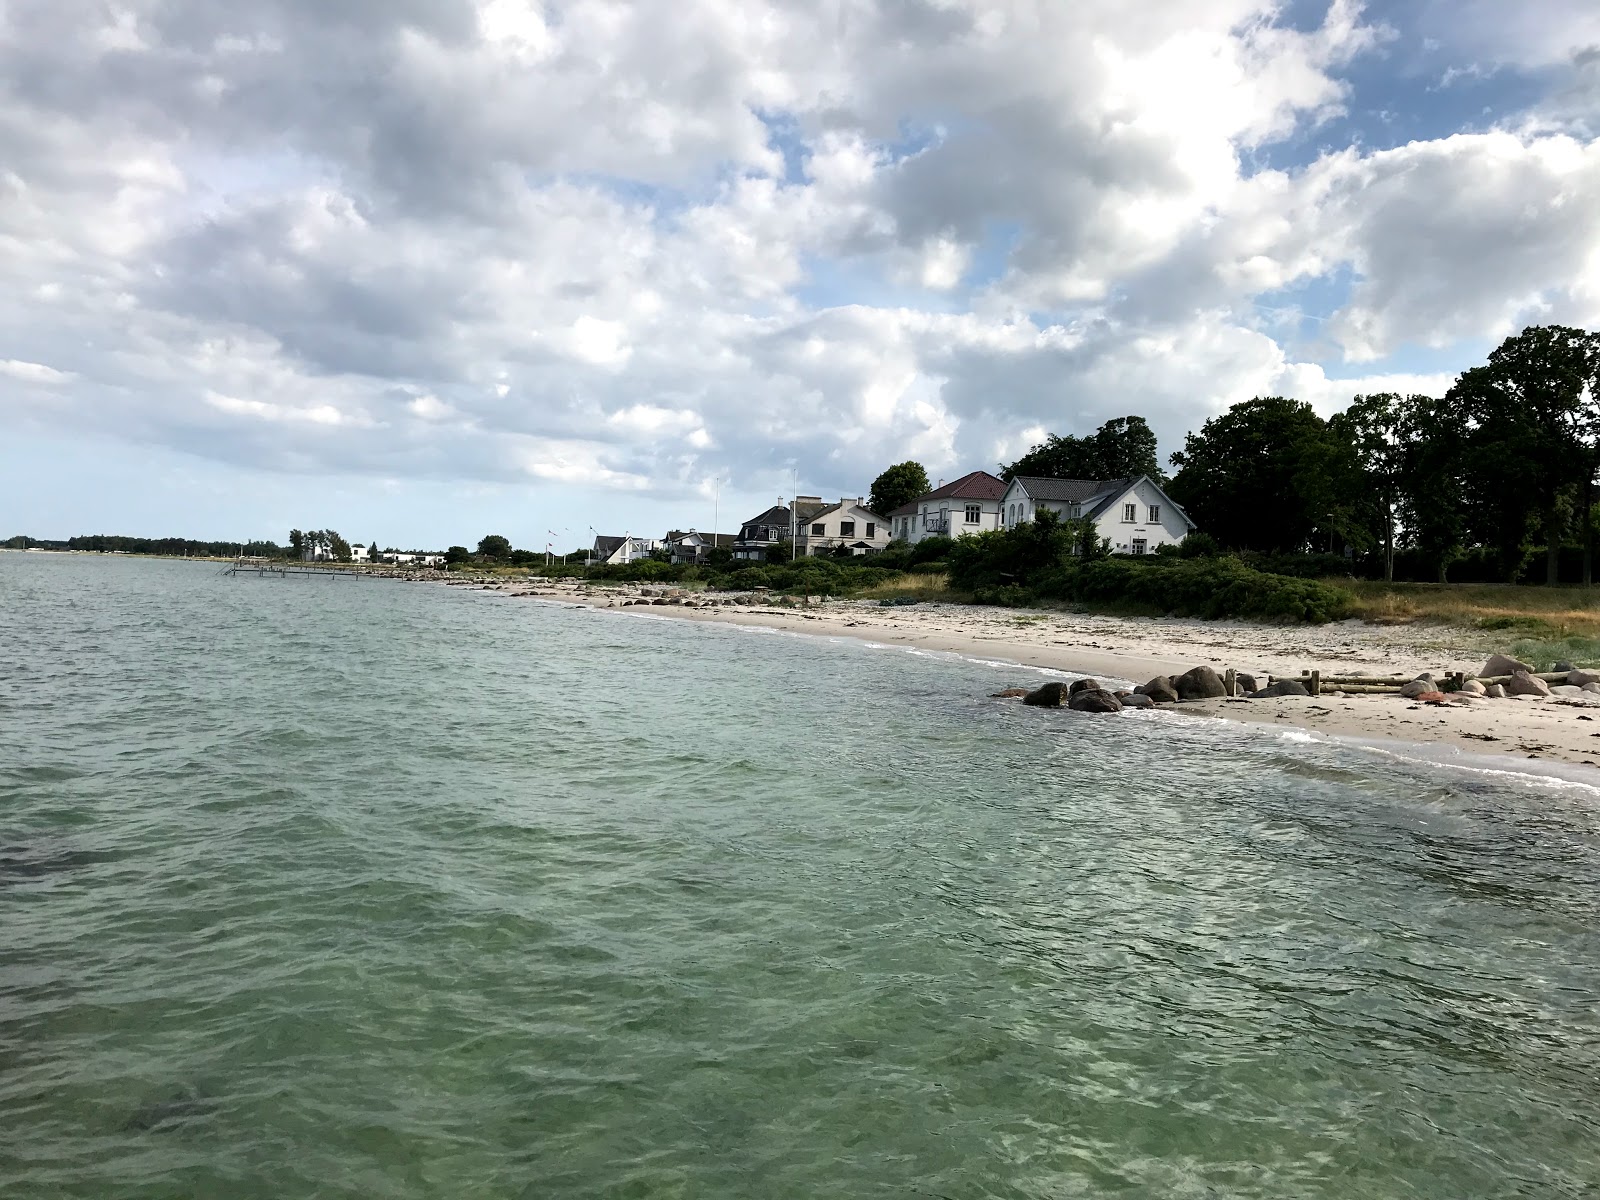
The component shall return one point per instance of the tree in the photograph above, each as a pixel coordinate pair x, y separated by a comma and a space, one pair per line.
1536, 433
1257, 476
721, 556
297, 543
338, 547
897, 487
457, 554
494, 546
1121, 448
1374, 429
1435, 488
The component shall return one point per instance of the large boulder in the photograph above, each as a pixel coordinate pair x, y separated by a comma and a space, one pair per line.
1582, 678
1522, 683
1008, 693
1051, 695
1281, 687
1418, 686
1160, 690
1592, 688
1500, 664
1198, 683
1245, 681
1094, 700
1080, 685
1135, 700
1472, 687
1567, 689
1495, 691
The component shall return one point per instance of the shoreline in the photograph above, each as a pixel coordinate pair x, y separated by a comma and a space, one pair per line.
1514, 733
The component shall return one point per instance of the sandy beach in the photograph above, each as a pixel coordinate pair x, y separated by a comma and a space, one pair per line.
1135, 649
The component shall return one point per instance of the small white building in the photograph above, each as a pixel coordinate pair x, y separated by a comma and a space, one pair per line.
360, 553
415, 558
970, 504
610, 550
848, 524
1133, 514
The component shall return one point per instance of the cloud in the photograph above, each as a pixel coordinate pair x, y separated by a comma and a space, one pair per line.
31, 372
635, 247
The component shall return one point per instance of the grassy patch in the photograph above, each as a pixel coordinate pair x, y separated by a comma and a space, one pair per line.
916, 586
1495, 606
1543, 653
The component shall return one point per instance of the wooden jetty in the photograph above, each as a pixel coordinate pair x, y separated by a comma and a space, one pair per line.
282, 567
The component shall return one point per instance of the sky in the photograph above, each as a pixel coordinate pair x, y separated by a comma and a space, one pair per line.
424, 270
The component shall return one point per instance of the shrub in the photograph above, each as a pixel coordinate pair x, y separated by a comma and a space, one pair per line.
1209, 587
1199, 545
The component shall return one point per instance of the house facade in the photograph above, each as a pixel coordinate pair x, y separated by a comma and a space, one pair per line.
760, 533
970, 504
847, 525
620, 551
1133, 514
693, 547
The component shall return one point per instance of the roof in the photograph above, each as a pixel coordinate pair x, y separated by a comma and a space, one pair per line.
978, 485
1069, 491
778, 514
606, 546
722, 539
905, 510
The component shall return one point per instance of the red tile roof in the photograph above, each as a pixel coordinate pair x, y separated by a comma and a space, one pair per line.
979, 485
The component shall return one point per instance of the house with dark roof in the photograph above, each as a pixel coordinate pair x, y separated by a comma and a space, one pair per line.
1134, 515
693, 547
848, 526
760, 533
970, 504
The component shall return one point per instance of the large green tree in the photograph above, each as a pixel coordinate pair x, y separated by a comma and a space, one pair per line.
1374, 428
494, 546
1535, 429
898, 486
1122, 447
1265, 475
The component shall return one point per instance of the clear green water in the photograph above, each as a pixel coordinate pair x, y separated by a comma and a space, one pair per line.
316, 888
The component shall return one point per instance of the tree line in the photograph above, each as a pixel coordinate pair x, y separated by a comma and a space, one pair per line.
1486, 479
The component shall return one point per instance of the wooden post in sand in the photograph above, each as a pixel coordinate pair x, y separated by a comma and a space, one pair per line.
1229, 683
1316, 683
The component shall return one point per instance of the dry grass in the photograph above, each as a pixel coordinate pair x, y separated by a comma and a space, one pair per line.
919, 586
1542, 610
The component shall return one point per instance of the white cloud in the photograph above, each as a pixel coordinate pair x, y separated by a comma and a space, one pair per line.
32, 372
635, 247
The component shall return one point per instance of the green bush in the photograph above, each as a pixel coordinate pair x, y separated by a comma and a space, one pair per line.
1211, 588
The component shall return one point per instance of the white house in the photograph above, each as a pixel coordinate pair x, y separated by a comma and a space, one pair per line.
846, 524
615, 551
1133, 514
413, 558
971, 504
358, 553
761, 533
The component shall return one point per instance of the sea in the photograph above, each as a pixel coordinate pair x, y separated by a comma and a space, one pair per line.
332, 888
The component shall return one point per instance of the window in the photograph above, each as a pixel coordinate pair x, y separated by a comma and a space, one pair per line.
1155, 514
973, 512
872, 530
1139, 545
818, 529
847, 529
1130, 512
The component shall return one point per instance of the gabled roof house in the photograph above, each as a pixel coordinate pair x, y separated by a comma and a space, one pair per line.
966, 505
760, 533
1134, 514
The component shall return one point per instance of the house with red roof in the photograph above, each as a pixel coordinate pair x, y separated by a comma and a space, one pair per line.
970, 504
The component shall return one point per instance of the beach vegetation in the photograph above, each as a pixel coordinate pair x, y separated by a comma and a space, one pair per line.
495, 546
457, 554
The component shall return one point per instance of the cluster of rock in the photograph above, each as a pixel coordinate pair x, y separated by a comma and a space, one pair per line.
1504, 677
1199, 683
